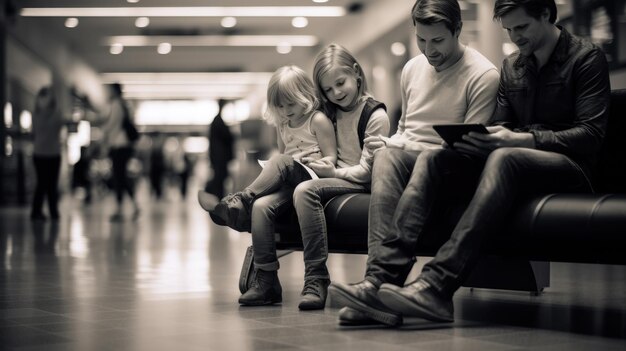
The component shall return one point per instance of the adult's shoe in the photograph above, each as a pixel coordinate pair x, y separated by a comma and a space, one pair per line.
351, 317
363, 297
418, 299
265, 290
314, 294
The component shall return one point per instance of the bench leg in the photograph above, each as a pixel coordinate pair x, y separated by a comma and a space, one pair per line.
510, 274
246, 277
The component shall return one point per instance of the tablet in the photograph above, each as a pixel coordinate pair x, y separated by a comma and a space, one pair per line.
452, 133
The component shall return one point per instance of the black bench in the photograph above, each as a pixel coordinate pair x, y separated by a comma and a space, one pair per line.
580, 228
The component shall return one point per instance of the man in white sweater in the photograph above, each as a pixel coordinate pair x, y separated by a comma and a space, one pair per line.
448, 83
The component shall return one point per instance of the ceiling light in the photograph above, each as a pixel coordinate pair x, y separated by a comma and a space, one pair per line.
398, 49
299, 22
283, 48
320, 1
213, 40
228, 22
116, 49
199, 11
71, 22
133, 1
164, 48
142, 22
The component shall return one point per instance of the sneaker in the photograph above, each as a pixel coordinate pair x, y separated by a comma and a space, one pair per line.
363, 297
314, 294
351, 317
418, 299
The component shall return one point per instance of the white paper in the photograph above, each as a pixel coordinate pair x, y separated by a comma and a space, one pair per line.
309, 170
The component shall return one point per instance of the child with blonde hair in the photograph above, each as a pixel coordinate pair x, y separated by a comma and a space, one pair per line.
302, 130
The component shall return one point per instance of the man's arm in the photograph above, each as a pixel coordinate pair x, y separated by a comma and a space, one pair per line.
482, 98
593, 93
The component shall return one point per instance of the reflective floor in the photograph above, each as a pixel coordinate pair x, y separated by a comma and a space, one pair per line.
168, 281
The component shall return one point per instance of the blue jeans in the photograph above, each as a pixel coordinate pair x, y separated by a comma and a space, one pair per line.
391, 172
309, 198
507, 174
273, 190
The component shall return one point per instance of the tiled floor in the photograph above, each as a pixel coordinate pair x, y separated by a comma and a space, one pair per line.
169, 282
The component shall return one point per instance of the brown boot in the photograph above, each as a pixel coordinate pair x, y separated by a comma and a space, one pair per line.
265, 290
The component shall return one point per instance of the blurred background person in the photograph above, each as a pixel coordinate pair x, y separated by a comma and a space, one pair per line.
157, 165
220, 152
119, 139
47, 124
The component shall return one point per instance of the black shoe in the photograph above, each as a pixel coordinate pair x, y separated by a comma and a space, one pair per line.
234, 211
314, 294
265, 290
418, 299
351, 317
363, 298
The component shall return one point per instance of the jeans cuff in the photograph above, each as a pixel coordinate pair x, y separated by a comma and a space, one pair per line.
434, 284
272, 266
374, 281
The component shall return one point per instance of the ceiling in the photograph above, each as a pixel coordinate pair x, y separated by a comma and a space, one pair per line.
200, 45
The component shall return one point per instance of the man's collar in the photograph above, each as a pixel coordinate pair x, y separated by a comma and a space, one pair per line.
560, 53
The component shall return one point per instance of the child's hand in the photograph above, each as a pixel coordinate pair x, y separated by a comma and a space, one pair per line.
374, 142
308, 156
323, 168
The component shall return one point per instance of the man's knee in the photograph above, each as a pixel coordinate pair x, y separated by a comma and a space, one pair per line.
504, 156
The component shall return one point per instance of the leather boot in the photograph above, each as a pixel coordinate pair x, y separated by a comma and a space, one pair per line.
265, 290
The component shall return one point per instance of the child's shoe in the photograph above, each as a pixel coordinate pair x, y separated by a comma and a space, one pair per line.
314, 294
234, 211
265, 290
207, 201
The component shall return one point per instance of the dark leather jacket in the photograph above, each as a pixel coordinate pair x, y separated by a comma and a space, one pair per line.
565, 105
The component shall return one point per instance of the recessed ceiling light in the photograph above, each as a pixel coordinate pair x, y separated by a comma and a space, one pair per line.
71, 22
142, 22
283, 48
299, 22
164, 48
320, 1
228, 22
133, 1
116, 49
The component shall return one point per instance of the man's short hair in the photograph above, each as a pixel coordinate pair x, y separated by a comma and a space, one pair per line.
430, 12
533, 8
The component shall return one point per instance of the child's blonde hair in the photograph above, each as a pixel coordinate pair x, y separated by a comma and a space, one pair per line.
289, 84
336, 56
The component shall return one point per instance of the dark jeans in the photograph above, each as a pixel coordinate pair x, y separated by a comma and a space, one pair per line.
391, 173
273, 191
121, 181
309, 198
47, 169
498, 182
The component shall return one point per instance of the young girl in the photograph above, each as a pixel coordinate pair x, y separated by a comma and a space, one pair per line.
302, 130
342, 88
